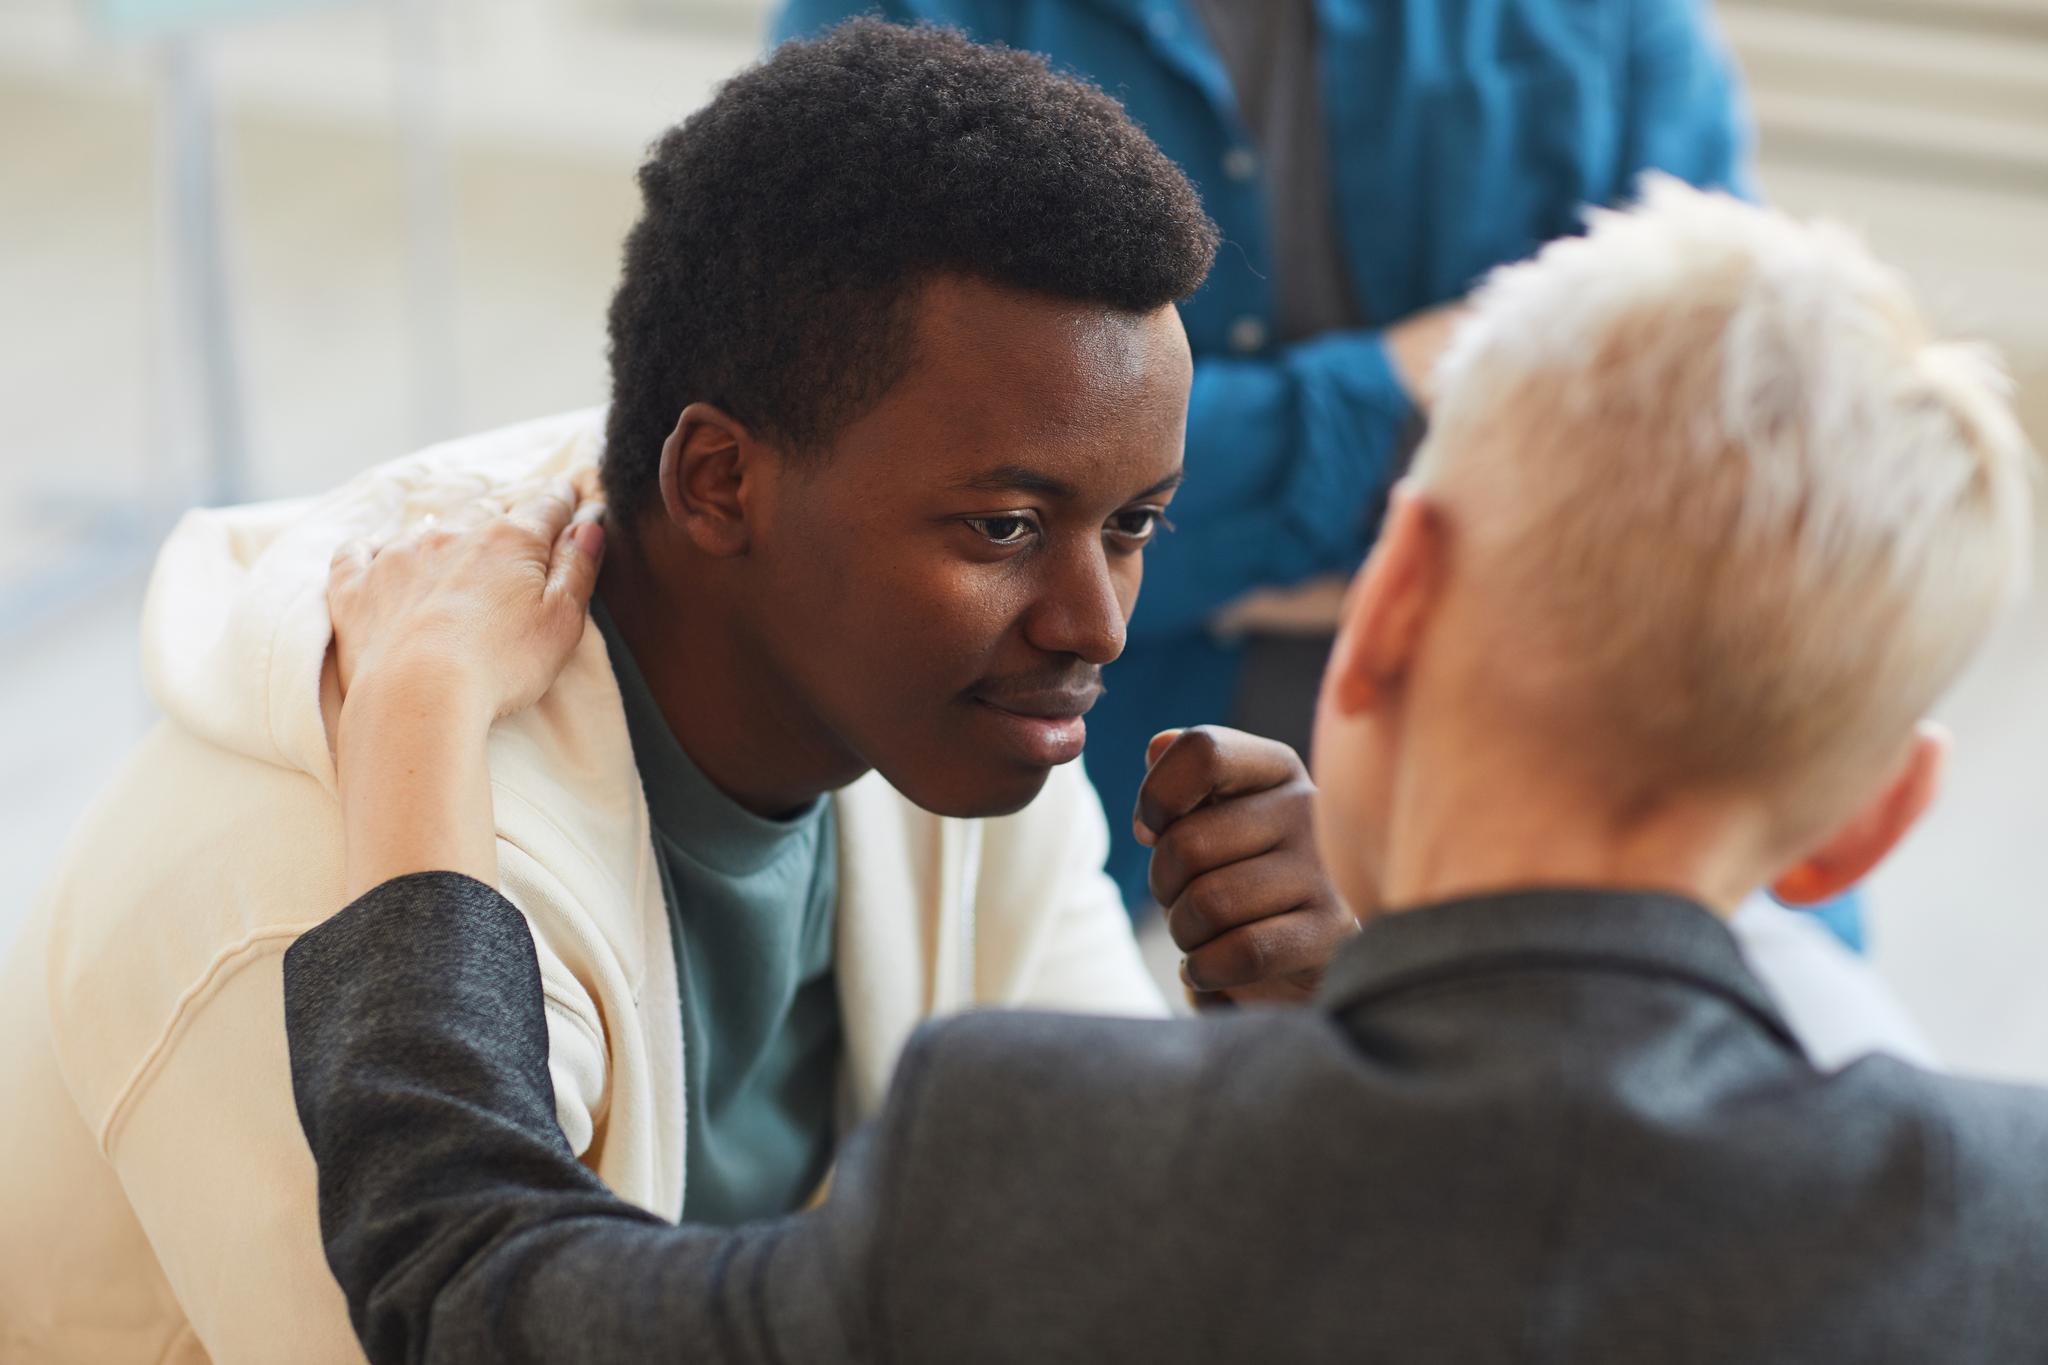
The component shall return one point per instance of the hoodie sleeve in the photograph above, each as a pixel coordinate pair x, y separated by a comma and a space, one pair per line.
166, 1007
579, 1059
208, 1149
207, 1154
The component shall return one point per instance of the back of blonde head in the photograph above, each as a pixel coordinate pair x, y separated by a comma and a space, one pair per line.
1740, 517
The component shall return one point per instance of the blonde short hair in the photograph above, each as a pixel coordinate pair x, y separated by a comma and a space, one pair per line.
1749, 514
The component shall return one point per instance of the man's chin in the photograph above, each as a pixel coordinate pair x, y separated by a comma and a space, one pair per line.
976, 793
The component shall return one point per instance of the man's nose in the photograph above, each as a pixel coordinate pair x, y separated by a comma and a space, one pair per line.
1080, 610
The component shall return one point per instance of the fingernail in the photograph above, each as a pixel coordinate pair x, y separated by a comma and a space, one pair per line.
590, 538
1142, 832
1187, 978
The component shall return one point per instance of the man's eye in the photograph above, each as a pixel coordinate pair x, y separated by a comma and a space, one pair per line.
1139, 524
1004, 530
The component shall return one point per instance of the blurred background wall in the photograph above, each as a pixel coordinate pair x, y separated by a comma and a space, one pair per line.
418, 213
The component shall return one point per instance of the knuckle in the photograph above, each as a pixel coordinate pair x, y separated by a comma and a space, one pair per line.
1162, 876
1254, 956
1202, 741
1186, 848
1203, 748
1169, 874
1204, 911
1299, 802
1239, 960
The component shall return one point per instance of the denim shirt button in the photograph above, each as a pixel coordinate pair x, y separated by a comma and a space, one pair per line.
1247, 335
1240, 163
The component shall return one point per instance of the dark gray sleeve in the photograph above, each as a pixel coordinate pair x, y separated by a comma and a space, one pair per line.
460, 1225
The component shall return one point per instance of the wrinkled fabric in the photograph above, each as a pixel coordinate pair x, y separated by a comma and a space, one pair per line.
159, 1195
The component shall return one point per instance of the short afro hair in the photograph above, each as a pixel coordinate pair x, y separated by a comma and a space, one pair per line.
787, 225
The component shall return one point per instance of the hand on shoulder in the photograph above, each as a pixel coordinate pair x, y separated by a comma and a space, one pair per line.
486, 603
462, 620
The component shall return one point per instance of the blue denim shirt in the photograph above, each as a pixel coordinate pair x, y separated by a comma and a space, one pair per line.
1462, 134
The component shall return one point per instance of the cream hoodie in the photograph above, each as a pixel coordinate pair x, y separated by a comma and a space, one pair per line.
161, 1198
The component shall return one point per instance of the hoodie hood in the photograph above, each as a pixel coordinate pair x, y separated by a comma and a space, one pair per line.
235, 627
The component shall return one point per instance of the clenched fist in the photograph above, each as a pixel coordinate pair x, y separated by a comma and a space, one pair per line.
1234, 863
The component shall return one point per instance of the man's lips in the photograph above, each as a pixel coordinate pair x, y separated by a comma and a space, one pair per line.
1066, 703
1043, 726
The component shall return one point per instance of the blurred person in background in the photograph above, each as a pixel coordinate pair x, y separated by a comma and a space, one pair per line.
894, 417
1739, 519
1367, 161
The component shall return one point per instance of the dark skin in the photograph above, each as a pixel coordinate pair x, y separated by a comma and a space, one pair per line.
935, 594
1234, 862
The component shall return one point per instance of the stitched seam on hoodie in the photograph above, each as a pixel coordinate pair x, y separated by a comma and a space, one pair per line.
542, 815
578, 1005
218, 973
555, 995
634, 983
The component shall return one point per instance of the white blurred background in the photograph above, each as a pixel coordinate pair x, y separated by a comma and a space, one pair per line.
417, 220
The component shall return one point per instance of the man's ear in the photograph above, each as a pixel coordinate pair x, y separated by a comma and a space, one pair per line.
1852, 851
1389, 604
705, 465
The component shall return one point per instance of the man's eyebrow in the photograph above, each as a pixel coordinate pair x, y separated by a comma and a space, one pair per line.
1017, 478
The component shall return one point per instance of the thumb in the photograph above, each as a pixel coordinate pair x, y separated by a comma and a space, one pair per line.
572, 577
1159, 745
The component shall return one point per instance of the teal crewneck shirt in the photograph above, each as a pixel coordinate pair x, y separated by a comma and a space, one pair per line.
750, 909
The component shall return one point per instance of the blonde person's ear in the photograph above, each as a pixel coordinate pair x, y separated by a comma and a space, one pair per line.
1389, 604
1874, 831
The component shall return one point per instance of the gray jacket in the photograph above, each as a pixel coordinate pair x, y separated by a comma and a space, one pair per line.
1558, 1126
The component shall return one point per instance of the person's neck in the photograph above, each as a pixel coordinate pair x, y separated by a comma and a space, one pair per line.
1477, 826
732, 711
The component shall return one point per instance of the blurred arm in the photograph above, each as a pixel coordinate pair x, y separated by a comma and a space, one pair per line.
1686, 112
1288, 459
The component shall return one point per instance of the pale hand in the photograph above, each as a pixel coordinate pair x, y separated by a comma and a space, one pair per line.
436, 635
487, 603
